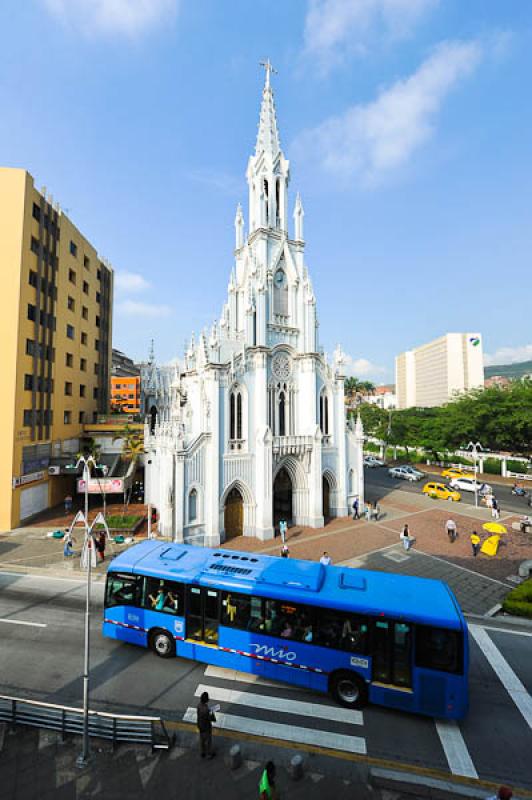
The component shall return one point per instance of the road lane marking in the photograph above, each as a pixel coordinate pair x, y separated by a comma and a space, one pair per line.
287, 733
23, 622
282, 705
246, 677
507, 630
455, 749
504, 672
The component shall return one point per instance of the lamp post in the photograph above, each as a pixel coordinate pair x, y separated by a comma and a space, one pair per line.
83, 757
475, 447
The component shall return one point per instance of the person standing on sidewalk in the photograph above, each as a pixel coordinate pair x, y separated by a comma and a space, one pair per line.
356, 505
326, 560
450, 527
475, 543
205, 718
495, 509
285, 552
408, 540
102, 541
68, 504
267, 788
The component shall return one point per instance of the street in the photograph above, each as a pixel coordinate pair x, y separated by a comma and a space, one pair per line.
378, 482
41, 629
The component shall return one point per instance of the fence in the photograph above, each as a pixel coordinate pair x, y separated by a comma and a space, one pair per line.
114, 727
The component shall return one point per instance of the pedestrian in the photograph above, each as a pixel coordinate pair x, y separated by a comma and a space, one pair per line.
368, 511
475, 543
283, 527
495, 509
408, 540
376, 512
450, 527
205, 718
267, 788
326, 560
285, 552
356, 505
101, 545
68, 504
503, 793
67, 549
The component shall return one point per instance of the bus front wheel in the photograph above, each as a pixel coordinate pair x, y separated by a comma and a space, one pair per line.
349, 690
162, 644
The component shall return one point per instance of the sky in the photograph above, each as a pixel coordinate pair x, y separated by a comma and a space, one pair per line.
408, 125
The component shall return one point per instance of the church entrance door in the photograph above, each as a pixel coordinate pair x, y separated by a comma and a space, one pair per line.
282, 497
234, 514
326, 490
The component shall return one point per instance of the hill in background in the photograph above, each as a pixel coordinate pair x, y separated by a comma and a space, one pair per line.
509, 370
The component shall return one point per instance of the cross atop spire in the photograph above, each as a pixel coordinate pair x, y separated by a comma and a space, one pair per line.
268, 135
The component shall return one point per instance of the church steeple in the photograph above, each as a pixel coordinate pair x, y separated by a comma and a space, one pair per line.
268, 171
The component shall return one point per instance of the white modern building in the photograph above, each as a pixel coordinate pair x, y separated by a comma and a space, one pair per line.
434, 373
253, 429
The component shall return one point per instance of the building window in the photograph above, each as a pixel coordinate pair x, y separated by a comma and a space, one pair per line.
72, 276
98, 297
282, 414
324, 413
71, 303
30, 347
97, 321
68, 388
28, 382
85, 312
96, 369
86, 262
99, 274
70, 331
82, 390
33, 278
67, 417
83, 338
97, 344
83, 364
32, 312
36, 213
73, 249
69, 359
192, 506
95, 393
81, 417
85, 287
34, 245
28, 418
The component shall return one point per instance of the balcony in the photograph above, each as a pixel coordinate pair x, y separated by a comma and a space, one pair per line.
292, 445
236, 445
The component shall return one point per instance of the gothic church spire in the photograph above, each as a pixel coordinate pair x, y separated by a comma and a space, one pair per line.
268, 134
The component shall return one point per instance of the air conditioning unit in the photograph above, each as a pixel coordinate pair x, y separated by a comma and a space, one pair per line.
55, 470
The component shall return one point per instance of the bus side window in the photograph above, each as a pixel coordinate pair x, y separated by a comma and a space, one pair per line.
236, 609
438, 648
162, 595
122, 590
342, 631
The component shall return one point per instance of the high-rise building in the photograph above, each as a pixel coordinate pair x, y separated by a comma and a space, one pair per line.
55, 330
434, 373
123, 365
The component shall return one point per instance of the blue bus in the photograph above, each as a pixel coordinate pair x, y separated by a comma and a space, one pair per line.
395, 640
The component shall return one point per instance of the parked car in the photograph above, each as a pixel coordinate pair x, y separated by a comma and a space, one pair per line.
414, 471
405, 473
373, 461
441, 491
454, 472
470, 485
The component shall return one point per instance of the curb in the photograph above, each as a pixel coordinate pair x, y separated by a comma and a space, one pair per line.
437, 788
506, 619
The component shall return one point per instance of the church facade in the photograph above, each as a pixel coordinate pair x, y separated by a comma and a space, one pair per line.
252, 429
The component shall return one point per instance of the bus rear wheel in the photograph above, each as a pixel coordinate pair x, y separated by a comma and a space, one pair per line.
162, 644
349, 690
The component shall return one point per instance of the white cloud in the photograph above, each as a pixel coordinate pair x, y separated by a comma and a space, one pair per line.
130, 282
370, 140
336, 29
221, 181
362, 368
127, 17
139, 309
508, 355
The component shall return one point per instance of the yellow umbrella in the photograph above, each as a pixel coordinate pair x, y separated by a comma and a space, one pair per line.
494, 527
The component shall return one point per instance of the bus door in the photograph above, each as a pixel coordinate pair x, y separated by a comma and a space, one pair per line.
202, 614
392, 653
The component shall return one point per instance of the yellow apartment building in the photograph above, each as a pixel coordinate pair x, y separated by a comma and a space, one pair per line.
55, 340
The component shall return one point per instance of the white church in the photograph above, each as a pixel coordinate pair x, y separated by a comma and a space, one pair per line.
253, 429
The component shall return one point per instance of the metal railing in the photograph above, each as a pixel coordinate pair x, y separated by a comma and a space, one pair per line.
64, 719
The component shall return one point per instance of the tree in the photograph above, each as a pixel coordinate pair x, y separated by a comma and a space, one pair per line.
132, 443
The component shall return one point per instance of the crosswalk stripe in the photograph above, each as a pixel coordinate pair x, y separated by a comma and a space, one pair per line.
288, 733
281, 704
504, 672
454, 747
245, 677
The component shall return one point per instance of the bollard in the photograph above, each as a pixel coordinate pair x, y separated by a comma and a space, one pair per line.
296, 767
235, 757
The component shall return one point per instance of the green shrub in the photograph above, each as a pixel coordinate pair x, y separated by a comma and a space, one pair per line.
117, 521
519, 600
371, 447
517, 466
492, 466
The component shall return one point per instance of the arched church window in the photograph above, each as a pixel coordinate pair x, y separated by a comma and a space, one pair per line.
324, 413
192, 505
266, 201
232, 417
278, 203
239, 416
282, 414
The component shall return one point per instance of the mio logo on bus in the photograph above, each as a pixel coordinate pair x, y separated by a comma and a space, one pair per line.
271, 652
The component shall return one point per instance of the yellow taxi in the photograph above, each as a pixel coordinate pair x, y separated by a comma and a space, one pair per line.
454, 472
441, 491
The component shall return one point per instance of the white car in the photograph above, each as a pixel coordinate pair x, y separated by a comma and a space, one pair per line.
373, 461
406, 473
470, 485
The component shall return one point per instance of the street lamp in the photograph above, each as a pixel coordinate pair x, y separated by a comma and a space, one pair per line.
475, 447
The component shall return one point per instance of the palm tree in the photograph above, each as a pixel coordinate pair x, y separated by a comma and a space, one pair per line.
368, 386
133, 443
